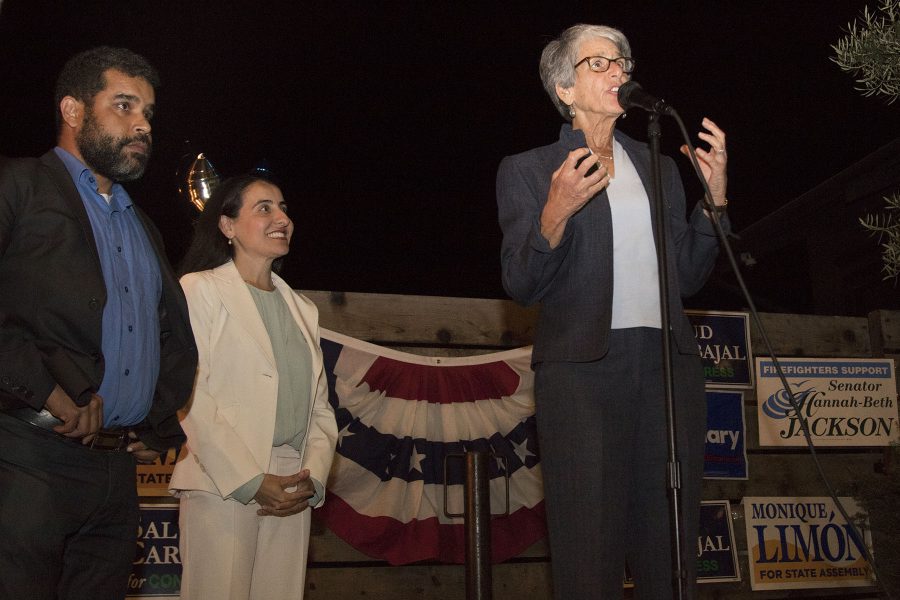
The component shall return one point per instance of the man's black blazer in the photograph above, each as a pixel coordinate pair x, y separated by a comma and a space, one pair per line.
52, 296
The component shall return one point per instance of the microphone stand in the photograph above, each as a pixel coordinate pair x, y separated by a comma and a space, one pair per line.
673, 470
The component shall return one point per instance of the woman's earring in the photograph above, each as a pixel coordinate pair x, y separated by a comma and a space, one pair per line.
230, 242
571, 111
623, 115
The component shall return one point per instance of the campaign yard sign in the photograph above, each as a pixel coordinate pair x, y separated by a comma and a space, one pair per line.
156, 572
725, 455
844, 402
723, 341
717, 560
153, 479
804, 542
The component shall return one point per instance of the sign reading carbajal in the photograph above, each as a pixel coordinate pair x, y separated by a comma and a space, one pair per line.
723, 341
157, 566
716, 550
804, 543
844, 402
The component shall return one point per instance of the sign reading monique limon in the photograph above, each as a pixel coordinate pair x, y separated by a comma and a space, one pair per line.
803, 542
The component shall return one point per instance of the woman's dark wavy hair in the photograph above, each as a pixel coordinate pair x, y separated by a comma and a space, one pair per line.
83, 75
209, 247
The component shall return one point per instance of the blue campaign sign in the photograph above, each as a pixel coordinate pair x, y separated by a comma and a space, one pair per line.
723, 340
725, 456
157, 566
716, 552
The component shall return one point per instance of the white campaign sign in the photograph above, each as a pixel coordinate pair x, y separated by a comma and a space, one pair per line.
845, 402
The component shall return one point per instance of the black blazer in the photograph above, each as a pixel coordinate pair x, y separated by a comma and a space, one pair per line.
52, 296
573, 282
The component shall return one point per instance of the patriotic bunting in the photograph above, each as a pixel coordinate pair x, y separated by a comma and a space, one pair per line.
405, 423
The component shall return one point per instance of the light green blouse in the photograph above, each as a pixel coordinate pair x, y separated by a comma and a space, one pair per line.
293, 362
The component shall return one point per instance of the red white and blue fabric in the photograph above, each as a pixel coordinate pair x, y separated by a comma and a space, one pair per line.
399, 416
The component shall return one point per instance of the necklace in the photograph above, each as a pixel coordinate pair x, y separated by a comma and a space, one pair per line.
606, 156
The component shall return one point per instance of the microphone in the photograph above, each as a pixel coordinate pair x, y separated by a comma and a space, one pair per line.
632, 95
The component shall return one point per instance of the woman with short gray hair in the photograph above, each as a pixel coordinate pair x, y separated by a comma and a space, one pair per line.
560, 55
578, 238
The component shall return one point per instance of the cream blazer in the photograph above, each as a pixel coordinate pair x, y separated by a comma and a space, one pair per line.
230, 419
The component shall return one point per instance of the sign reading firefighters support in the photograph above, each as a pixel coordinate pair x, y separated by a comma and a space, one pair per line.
796, 543
844, 402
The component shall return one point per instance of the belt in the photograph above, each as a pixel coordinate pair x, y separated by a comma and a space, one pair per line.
105, 440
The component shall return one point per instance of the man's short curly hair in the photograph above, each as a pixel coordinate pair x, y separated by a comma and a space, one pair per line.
82, 77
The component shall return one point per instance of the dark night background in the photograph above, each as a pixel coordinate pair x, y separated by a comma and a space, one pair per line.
385, 121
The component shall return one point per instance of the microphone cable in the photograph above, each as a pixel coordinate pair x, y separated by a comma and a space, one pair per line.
804, 426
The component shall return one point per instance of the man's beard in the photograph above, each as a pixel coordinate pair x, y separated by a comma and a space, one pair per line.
106, 155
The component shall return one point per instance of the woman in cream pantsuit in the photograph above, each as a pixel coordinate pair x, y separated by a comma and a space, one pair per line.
260, 431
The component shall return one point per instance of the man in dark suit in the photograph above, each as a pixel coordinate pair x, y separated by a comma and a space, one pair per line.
96, 351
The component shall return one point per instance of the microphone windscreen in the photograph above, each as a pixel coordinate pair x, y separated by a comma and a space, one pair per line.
626, 94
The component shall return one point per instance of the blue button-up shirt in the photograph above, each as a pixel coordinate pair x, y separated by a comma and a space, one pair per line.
130, 342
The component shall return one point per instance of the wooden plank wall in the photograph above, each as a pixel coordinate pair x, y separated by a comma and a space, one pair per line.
441, 326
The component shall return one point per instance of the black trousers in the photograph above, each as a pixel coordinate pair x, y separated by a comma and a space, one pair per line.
68, 517
603, 442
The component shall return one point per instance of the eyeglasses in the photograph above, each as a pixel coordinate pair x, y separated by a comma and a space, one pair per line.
600, 64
